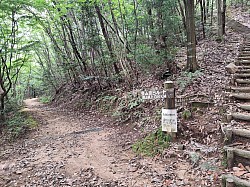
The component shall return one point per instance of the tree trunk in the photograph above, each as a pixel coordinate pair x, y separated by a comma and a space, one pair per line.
206, 10
202, 7
183, 17
212, 12
224, 17
107, 40
1, 110
219, 12
191, 43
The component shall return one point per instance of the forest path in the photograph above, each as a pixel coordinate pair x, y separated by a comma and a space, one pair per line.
73, 141
67, 151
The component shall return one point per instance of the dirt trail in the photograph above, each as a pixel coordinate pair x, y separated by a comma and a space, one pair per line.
67, 151
80, 147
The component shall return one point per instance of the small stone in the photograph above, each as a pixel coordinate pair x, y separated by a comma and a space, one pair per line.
180, 183
133, 169
231, 68
171, 154
18, 172
156, 180
181, 147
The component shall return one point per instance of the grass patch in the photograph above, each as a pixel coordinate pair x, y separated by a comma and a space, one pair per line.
186, 114
45, 99
18, 123
153, 144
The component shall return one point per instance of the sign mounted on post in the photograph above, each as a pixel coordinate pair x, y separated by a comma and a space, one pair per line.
169, 120
169, 115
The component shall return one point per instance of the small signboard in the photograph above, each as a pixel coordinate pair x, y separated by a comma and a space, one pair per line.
169, 120
157, 94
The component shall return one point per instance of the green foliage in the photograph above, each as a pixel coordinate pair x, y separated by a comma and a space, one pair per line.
45, 99
194, 157
19, 123
187, 78
186, 114
152, 144
12, 104
16, 44
106, 102
146, 56
208, 166
120, 107
128, 107
134, 103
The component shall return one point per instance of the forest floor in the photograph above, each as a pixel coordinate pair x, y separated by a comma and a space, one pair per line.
90, 149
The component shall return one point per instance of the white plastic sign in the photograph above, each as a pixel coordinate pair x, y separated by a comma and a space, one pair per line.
169, 120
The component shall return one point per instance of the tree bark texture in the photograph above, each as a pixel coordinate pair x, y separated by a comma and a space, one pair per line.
192, 65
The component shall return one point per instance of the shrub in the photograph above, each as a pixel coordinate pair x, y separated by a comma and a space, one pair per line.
152, 144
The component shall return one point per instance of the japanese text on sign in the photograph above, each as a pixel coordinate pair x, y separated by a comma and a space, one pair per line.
169, 120
157, 94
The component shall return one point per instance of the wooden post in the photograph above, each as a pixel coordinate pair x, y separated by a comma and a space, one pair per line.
228, 136
230, 157
229, 117
229, 182
170, 100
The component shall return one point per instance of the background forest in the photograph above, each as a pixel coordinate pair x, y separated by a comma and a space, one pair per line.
98, 45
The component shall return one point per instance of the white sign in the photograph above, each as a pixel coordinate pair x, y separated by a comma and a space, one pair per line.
169, 120
157, 94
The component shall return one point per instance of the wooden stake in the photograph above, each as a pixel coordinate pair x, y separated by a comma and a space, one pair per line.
229, 182
228, 134
230, 157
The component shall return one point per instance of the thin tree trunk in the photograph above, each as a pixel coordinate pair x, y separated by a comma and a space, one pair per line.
107, 40
212, 12
219, 14
202, 18
2, 119
183, 17
207, 10
136, 26
224, 17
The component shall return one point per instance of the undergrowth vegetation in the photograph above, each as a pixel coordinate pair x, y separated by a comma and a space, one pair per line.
18, 123
186, 78
45, 99
153, 144
122, 108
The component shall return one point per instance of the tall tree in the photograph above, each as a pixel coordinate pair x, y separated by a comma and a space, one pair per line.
223, 16
191, 41
219, 19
